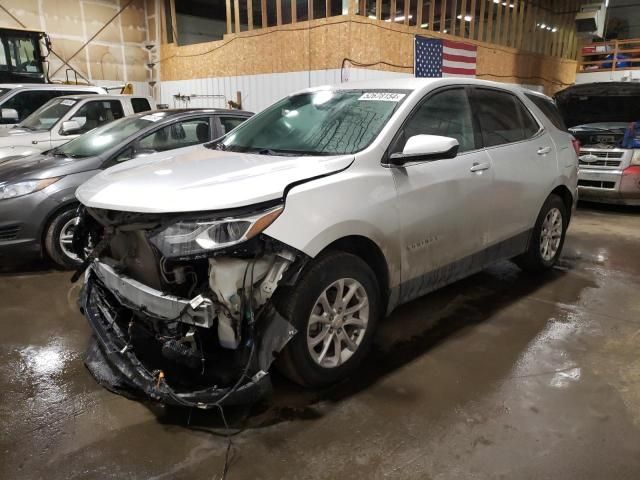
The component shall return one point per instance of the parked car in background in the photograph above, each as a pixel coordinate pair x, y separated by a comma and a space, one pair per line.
18, 101
37, 193
295, 233
65, 118
603, 117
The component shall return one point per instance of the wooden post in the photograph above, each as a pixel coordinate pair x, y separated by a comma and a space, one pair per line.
310, 9
263, 12
228, 16
521, 24
463, 13
239, 99
443, 16
250, 14
472, 13
506, 22
432, 14
498, 26
481, 20
489, 35
392, 11
362, 10
454, 8
378, 9
236, 14
294, 11
327, 8
174, 23
278, 12
407, 9
419, 14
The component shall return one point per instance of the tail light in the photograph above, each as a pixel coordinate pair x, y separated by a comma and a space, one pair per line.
576, 145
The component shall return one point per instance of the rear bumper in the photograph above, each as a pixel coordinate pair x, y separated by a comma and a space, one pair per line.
621, 187
119, 370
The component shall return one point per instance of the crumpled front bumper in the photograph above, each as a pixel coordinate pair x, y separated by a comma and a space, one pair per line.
119, 370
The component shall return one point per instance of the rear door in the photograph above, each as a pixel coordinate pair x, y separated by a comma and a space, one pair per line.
444, 205
523, 159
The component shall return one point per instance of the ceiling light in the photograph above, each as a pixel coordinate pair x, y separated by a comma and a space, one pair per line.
554, 30
467, 18
424, 25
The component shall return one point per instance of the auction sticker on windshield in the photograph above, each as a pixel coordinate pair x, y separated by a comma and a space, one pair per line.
153, 117
383, 96
67, 103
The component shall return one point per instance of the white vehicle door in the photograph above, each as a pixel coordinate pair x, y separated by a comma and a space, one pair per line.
444, 205
523, 159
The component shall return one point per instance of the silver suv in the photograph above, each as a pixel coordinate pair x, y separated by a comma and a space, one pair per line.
290, 238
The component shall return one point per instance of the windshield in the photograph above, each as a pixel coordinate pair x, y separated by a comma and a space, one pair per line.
48, 115
323, 122
103, 138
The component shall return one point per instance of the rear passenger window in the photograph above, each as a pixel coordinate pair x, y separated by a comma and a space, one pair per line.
140, 105
549, 109
503, 118
447, 114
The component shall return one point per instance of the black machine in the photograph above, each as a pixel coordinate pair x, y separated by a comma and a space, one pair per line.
22, 57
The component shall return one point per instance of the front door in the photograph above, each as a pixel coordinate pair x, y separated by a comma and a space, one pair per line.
444, 205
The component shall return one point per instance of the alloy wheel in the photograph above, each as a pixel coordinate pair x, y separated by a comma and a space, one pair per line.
338, 323
551, 234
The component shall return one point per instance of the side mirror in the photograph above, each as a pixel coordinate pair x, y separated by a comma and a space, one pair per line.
9, 115
421, 148
70, 127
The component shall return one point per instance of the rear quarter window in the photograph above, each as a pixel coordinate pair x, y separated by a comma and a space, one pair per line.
549, 109
140, 105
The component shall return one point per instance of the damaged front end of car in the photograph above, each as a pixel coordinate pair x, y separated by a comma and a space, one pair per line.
181, 305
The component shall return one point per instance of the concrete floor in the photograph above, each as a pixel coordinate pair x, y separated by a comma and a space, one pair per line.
497, 376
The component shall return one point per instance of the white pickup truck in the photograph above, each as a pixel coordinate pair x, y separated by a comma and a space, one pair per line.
65, 118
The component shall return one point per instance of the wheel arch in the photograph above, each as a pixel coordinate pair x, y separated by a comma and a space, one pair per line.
565, 194
50, 216
367, 250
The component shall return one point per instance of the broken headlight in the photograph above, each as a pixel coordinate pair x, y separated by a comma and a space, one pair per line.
193, 237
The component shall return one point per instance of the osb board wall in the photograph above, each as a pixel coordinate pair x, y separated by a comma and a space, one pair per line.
325, 43
117, 53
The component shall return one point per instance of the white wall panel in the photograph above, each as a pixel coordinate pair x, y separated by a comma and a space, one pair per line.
258, 91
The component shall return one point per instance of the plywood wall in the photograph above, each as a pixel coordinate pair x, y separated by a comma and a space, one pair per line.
326, 43
116, 54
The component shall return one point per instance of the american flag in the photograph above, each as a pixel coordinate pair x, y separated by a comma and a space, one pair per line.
436, 57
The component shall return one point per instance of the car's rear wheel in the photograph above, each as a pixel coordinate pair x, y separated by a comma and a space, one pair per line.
59, 236
335, 307
547, 239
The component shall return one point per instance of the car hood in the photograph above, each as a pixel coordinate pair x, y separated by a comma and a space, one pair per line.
40, 166
199, 178
599, 102
17, 142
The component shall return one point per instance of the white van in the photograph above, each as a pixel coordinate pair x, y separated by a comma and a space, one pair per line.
65, 118
18, 101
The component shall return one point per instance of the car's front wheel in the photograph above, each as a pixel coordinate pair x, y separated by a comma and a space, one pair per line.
59, 236
547, 238
335, 307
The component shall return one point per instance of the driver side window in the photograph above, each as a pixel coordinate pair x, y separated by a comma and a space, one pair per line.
447, 114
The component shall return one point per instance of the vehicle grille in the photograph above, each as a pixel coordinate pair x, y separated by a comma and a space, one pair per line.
606, 158
9, 233
596, 184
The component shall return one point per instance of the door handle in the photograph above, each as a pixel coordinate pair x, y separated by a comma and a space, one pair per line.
478, 167
544, 150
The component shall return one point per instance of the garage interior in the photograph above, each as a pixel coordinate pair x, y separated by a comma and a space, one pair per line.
499, 375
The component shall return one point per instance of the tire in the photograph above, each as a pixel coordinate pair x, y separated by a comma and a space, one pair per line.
538, 259
60, 225
305, 364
